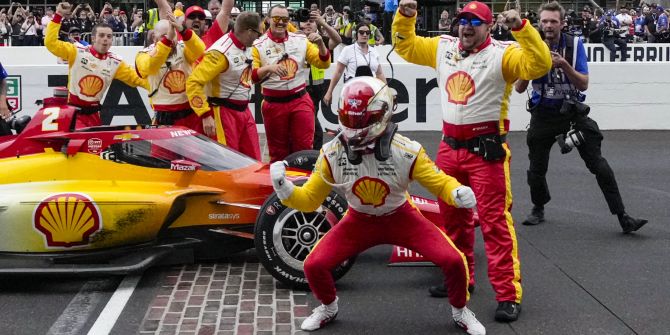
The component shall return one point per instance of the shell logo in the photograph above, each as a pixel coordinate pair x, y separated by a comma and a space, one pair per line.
460, 87
291, 68
175, 81
90, 85
197, 102
245, 78
473, 6
67, 219
371, 191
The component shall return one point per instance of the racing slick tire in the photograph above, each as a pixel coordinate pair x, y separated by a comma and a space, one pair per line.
303, 159
285, 236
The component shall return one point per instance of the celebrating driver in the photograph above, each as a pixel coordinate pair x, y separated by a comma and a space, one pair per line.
373, 166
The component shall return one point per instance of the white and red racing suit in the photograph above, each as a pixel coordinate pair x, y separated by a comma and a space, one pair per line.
288, 111
474, 92
380, 212
90, 74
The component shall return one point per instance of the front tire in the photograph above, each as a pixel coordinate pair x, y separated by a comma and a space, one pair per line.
285, 236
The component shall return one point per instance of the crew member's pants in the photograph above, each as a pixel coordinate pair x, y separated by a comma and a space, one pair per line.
237, 130
540, 138
185, 118
405, 227
609, 43
490, 180
289, 126
316, 92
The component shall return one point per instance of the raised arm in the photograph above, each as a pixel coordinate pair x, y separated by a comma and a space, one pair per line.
59, 48
530, 58
317, 53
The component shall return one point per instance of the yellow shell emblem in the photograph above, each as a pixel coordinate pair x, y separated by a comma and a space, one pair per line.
175, 81
245, 78
67, 219
291, 68
90, 85
460, 87
371, 191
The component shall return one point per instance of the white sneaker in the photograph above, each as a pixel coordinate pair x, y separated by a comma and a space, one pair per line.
320, 316
465, 318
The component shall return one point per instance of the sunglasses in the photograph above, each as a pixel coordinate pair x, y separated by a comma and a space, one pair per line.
277, 19
475, 22
196, 16
363, 32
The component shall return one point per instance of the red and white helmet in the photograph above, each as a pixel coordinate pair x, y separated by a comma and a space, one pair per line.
364, 110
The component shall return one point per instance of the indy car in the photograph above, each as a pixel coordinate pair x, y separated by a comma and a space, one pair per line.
119, 199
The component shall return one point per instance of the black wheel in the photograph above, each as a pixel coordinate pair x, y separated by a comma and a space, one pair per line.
285, 236
304, 159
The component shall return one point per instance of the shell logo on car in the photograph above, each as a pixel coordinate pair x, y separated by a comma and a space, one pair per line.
67, 219
371, 191
175, 81
90, 85
460, 87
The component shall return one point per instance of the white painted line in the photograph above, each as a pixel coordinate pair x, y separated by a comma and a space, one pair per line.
107, 318
80, 308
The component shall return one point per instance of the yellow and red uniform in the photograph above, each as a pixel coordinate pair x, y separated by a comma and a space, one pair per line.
167, 66
222, 83
90, 74
474, 90
288, 112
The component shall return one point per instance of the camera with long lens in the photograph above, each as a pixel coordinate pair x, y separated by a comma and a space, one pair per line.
302, 15
569, 140
572, 106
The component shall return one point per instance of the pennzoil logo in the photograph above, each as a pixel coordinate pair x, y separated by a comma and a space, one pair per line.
90, 85
291, 68
460, 87
67, 219
371, 191
175, 81
245, 78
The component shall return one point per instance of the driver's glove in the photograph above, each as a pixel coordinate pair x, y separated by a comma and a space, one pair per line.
464, 197
282, 186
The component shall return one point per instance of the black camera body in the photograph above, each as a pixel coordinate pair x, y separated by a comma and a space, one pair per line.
302, 15
572, 106
573, 138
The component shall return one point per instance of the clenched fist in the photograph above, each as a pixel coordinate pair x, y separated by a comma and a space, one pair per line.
407, 7
63, 9
282, 186
464, 197
512, 19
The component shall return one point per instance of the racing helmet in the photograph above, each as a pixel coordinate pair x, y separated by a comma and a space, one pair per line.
364, 110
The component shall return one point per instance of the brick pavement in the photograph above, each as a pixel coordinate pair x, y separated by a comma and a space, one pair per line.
235, 296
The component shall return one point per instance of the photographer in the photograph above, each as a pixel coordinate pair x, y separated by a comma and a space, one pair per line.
611, 28
558, 113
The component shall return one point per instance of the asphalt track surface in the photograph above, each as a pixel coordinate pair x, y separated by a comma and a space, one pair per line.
581, 275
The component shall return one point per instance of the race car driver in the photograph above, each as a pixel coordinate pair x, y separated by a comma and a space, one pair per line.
373, 166
91, 68
475, 78
288, 112
167, 63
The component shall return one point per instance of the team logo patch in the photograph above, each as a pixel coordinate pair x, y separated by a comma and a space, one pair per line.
94, 145
371, 191
460, 87
175, 81
291, 68
196, 102
245, 78
67, 219
354, 103
90, 85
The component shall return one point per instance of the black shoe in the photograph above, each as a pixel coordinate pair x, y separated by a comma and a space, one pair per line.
630, 224
507, 311
439, 291
535, 217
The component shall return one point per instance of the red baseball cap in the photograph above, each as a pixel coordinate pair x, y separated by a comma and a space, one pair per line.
194, 9
478, 9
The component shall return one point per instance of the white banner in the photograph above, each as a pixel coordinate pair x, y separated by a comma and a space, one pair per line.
629, 95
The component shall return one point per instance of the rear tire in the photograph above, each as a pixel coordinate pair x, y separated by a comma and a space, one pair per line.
285, 236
